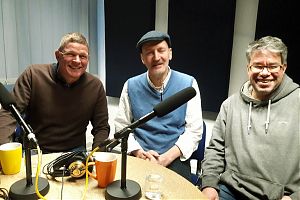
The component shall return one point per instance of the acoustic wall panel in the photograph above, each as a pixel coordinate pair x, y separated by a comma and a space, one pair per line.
125, 23
280, 18
202, 35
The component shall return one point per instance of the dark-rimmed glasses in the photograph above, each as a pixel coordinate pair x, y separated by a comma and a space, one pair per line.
260, 68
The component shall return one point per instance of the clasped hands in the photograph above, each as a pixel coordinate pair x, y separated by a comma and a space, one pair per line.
152, 156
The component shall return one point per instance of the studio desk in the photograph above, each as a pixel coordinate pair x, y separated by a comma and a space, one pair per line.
174, 186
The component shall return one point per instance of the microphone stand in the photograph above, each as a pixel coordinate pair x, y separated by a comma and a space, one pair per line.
24, 188
124, 188
128, 189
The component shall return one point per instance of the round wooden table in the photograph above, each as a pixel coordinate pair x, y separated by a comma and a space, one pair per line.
174, 186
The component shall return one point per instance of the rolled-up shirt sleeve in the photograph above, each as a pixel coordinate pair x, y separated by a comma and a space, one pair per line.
124, 118
189, 140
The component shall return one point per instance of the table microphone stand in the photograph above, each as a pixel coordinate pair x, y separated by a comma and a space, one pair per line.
124, 188
24, 188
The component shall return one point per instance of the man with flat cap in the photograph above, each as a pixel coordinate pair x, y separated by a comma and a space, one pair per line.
169, 140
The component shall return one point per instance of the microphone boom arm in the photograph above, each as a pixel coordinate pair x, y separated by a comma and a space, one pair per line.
28, 130
123, 133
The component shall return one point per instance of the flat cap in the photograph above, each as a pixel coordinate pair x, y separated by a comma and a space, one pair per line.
153, 36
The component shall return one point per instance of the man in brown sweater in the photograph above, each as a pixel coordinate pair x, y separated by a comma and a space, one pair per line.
59, 100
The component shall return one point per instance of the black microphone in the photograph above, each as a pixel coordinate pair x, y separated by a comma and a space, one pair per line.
161, 109
8, 103
174, 101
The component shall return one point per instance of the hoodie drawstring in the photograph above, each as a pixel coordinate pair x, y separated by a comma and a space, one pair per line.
249, 118
267, 122
268, 117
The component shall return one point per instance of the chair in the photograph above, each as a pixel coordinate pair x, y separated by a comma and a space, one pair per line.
9, 87
18, 131
199, 155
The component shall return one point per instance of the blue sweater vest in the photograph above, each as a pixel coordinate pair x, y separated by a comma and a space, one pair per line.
158, 134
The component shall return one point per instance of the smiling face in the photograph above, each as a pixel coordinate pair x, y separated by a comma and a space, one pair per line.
265, 82
155, 56
73, 61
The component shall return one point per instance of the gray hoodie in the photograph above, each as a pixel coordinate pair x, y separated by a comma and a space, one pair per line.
255, 145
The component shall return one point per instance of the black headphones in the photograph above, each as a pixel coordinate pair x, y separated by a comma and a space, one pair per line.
68, 164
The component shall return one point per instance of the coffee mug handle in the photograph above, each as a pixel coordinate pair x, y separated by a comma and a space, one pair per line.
91, 173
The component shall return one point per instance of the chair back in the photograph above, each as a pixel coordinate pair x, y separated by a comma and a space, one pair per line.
9, 87
199, 153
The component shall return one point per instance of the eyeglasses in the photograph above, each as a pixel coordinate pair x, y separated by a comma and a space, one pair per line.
271, 68
73, 55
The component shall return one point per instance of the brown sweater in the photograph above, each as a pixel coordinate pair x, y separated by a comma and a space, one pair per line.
59, 113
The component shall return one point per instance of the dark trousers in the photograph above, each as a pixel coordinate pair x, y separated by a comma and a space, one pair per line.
227, 193
182, 168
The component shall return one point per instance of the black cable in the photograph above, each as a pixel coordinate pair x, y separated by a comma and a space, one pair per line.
62, 183
48, 168
4, 194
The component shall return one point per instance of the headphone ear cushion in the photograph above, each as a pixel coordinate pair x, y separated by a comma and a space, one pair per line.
76, 165
60, 165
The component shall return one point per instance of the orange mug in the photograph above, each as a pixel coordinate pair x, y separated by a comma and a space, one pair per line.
105, 164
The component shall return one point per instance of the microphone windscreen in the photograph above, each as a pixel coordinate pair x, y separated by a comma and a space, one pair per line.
174, 101
6, 98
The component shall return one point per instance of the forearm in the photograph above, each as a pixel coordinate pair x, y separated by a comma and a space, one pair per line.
133, 145
98, 139
189, 140
7, 126
169, 156
100, 130
124, 116
99, 120
213, 163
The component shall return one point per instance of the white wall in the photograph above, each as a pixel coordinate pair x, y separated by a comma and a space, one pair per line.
244, 32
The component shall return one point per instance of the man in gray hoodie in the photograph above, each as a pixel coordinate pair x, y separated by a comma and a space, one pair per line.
254, 152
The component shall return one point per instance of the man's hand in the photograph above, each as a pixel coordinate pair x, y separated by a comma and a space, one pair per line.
152, 156
286, 198
140, 153
211, 193
149, 155
164, 159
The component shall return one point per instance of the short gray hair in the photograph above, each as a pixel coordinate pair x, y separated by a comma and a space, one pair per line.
72, 37
272, 44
